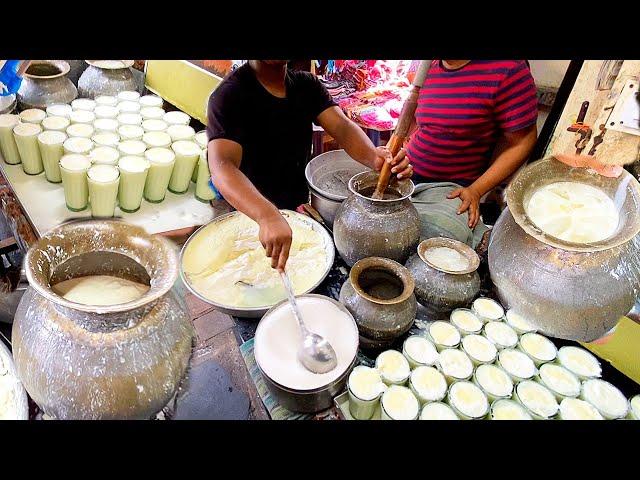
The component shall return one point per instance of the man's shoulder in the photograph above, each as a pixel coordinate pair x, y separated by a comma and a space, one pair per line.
232, 87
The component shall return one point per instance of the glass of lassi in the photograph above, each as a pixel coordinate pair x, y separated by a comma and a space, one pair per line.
133, 175
73, 170
26, 137
204, 193
161, 162
59, 110
51, 151
33, 115
187, 155
103, 181
10, 152
58, 124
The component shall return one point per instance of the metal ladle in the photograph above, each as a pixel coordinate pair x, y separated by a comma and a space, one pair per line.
316, 354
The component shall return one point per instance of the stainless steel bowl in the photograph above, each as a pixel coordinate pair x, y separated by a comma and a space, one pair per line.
328, 178
308, 401
20, 394
257, 312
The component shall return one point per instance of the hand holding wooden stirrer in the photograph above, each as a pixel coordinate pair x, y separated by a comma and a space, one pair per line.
402, 129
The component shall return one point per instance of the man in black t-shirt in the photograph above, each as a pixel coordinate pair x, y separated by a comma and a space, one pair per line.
259, 128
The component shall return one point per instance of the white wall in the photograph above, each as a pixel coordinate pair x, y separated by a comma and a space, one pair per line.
548, 73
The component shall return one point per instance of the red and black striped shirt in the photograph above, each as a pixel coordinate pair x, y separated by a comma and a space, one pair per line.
461, 113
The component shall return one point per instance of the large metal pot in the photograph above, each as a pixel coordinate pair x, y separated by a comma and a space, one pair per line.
441, 291
365, 227
379, 293
44, 83
121, 361
307, 401
328, 178
106, 77
575, 291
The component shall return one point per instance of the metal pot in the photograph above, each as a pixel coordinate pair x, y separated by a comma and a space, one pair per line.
7, 104
379, 295
328, 178
576, 291
441, 291
258, 312
307, 401
106, 77
7, 367
9, 300
44, 83
120, 361
365, 227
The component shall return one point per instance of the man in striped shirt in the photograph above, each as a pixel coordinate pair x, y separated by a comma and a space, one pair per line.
476, 124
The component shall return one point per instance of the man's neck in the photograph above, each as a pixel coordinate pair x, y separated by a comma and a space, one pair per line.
270, 76
454, 64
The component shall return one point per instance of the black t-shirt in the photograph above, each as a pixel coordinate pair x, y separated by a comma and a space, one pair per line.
275, 133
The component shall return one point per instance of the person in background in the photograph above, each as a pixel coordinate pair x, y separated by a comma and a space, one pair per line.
475, 126
11, 72
259, 129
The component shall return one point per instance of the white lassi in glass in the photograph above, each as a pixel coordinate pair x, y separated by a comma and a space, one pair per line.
201, 138
181, 132
493, 381
519, 323
466, 321
437, 411
59, 110
104, 156
161, 161
538, 347
399, 403
365, 387
79, 145
150, 101
132, 147
428, 384
187, 155
10, 152
128, 107
607, 399
455, 365
103, 183
573, 212
393, 367
106, 111
580, 362
106, 139
468, 401
80, 130
107, 100
130, 119
480, 349
559, 380
152, 113
83, 104
51, 151
82, 116
176, 118
576, 409
517, 364
106, 125
133, 174
487, 309
505, 409
501, 334
130, 132
155, 126
59, 124
26, 137
73, 169
204, 193
444, 335
128, 96
157, 140
419, 351
537, 399
33, 115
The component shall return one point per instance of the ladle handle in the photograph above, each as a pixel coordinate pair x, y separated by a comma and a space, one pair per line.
292, 301
402, 129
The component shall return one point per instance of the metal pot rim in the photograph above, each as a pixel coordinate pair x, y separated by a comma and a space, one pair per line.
406, 184
550, 170
125, 64
337, 380
256, 312
462, 248
393, 267
61, 64
169, 268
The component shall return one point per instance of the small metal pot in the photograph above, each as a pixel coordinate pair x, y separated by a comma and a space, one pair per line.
308, 401
44, 83
102, 78
441, 291
379, 294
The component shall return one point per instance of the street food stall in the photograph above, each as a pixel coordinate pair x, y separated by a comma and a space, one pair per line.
143, 298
